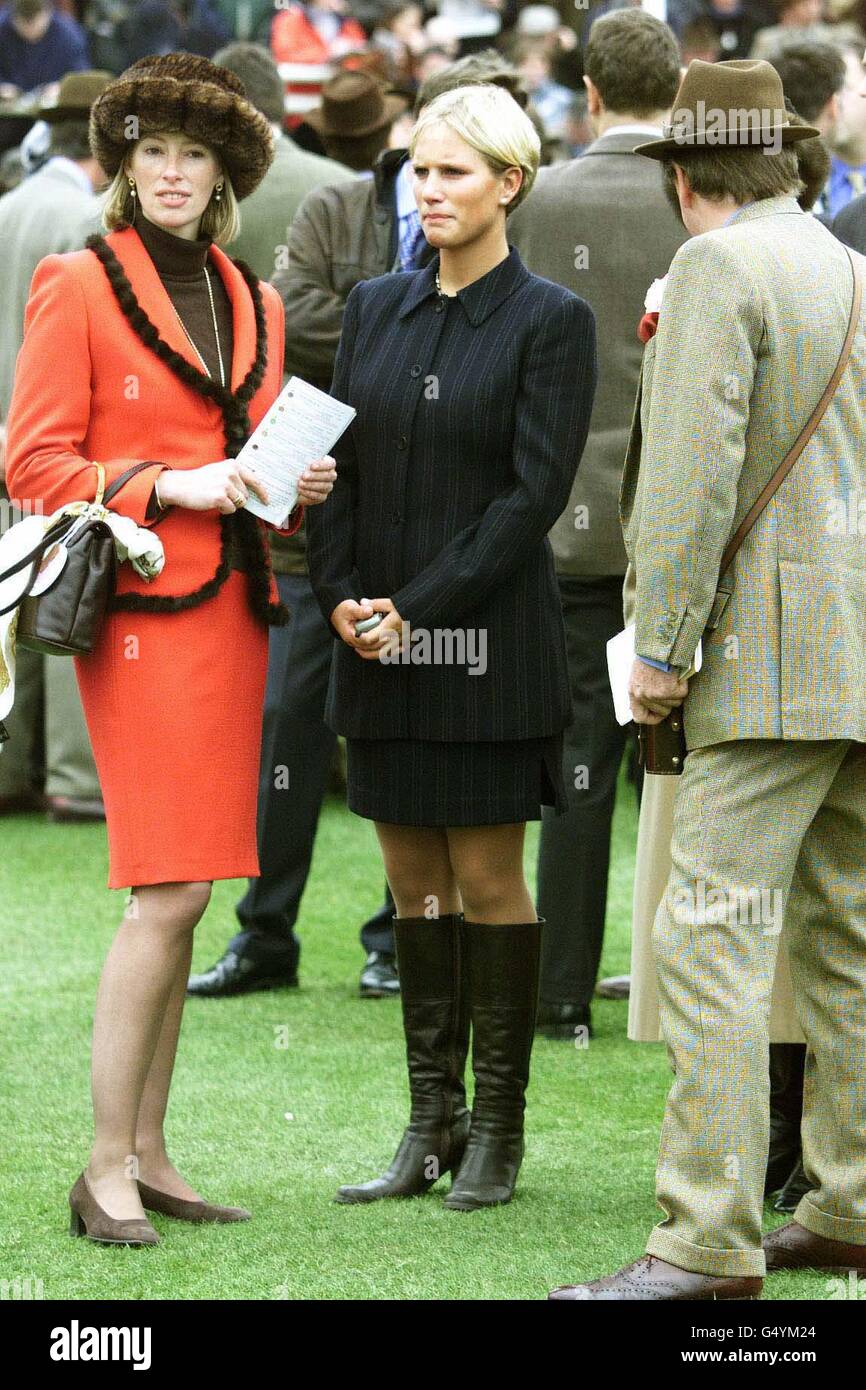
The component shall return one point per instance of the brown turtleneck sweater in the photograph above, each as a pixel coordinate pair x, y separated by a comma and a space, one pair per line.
180, 265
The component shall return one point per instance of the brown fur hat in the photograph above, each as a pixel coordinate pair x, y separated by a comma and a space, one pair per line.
181, 91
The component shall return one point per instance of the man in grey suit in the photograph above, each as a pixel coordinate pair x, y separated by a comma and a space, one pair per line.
47, 213
849, 225
265, 951
601, 226
344, 231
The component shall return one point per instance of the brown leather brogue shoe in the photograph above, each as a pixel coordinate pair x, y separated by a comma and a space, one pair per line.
652, 1279
793, 1247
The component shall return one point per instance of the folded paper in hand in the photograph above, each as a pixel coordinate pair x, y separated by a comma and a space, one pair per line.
620, 659
302, 425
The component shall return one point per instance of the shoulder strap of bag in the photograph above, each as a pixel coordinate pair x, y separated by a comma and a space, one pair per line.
119, 482
799, 445
58, 531
34, 558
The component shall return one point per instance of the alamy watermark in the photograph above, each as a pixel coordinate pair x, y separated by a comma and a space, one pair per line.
439, 646
703, 906
739, 125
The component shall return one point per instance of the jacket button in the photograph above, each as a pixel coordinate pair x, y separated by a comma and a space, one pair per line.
415, 370
402, 442
439, 306
396, 518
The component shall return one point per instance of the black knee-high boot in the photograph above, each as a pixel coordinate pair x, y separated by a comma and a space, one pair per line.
786, 1112
787, 1064
501, 971
436, 1024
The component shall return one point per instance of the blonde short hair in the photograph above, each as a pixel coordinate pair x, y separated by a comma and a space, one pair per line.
490, 121
221, 221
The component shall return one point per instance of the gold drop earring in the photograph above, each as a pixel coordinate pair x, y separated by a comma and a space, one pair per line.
132, 195
218, 192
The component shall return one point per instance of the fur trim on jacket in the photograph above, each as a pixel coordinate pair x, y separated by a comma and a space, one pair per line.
241, 528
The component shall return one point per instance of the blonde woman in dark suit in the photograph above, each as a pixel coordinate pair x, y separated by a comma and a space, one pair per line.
473, 381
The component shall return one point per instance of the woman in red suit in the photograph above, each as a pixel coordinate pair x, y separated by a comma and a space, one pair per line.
152, 348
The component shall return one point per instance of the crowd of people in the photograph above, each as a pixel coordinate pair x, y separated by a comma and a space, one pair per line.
573, 376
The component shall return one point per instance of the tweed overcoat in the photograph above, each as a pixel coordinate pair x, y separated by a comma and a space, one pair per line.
751, 326
87, 388
473, 412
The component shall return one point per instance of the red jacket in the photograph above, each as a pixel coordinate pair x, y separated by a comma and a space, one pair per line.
87, 388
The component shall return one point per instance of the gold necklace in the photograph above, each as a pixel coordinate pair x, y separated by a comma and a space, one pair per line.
215, 329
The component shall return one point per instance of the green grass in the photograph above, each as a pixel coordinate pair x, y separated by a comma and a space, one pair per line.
585, 1197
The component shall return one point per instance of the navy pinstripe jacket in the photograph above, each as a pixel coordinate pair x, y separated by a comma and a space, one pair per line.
473, 412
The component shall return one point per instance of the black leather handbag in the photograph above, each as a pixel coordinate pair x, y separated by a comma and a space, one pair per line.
65, 620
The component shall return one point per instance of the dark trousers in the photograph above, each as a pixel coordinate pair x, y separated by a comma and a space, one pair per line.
297, 752
574, 848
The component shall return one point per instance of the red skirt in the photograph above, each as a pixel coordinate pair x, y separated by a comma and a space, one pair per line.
173, 703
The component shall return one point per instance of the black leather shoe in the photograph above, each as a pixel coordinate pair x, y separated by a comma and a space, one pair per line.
65, 810
238, 972
562, 1020
436, 1027
787, 1061
379, 978
796, 1187
614, 987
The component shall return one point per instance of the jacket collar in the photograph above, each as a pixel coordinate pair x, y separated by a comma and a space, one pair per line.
478, 299
154, 300
620, 140
66, 170
385, 172
767, 207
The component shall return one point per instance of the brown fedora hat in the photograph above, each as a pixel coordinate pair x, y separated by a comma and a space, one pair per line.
75, 96
738, 104
354, 104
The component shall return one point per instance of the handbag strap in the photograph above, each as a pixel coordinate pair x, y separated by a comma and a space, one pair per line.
805, 435
121, 480
34, 558
59, 529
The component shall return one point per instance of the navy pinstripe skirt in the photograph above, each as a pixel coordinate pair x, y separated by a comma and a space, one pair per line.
423, 782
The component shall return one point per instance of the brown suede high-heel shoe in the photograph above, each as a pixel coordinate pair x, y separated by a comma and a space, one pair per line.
89, 1219
183, 1210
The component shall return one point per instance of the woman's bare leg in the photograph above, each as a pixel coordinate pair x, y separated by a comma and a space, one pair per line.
487, 861
418, 869
136, 988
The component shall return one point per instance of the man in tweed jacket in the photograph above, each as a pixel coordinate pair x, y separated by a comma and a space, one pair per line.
770, 819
